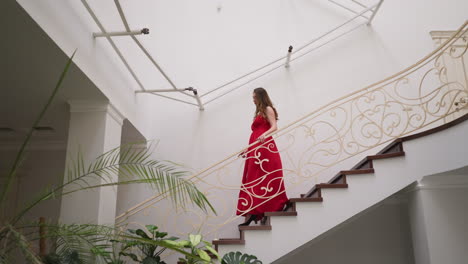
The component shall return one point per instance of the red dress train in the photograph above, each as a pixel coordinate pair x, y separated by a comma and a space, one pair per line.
262, 188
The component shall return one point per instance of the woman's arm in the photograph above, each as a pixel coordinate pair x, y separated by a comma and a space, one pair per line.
270, 113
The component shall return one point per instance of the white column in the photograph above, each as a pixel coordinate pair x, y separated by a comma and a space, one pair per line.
417, 221
95, 127
438, 218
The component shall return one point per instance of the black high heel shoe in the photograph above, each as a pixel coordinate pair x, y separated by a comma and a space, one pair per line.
251, 218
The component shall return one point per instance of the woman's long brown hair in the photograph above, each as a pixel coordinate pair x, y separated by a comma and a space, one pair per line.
262, 100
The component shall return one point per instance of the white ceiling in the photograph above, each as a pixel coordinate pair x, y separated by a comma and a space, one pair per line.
204, 44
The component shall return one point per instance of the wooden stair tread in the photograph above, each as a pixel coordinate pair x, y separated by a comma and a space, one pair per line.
332, 186
360, 171
340, 178
308, 199
386, 155
281, 213
228, 241
257, 227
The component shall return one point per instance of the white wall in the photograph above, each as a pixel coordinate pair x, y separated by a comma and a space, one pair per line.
418, 229
381, 235
126, 193
95, 128
438, 220
446, 225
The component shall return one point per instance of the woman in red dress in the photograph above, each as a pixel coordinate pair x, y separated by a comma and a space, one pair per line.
262, 189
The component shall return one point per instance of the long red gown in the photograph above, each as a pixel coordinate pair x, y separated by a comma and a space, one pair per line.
262, 188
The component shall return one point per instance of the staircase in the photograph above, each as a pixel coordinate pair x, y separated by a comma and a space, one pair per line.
349, 192
415, 99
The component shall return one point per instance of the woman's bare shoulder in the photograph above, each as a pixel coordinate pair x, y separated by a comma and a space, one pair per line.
269, 109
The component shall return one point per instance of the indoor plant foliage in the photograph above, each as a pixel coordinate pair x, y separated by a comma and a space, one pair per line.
199, 250
87, 243
151, 243
239, 258
146, 253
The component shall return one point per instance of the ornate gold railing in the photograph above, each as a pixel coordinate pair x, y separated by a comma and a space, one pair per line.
429, 93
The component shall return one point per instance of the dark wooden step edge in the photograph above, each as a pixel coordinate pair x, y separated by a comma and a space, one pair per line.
332, 186
228, 241
308, 199
316, 190
281, 213
240, 240
293, 201
354, 172
255, 227
386, 156
340, 178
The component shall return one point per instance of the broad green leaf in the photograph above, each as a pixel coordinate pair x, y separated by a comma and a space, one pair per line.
151, 228
203, 255
142, 234
181, 243
161, 234
195, 239
239, 258
213, 251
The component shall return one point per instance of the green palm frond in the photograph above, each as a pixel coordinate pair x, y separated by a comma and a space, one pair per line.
18, 240
3, 259
86, 243
83, 240
75, 242
96, 241
132, 165
4, 240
